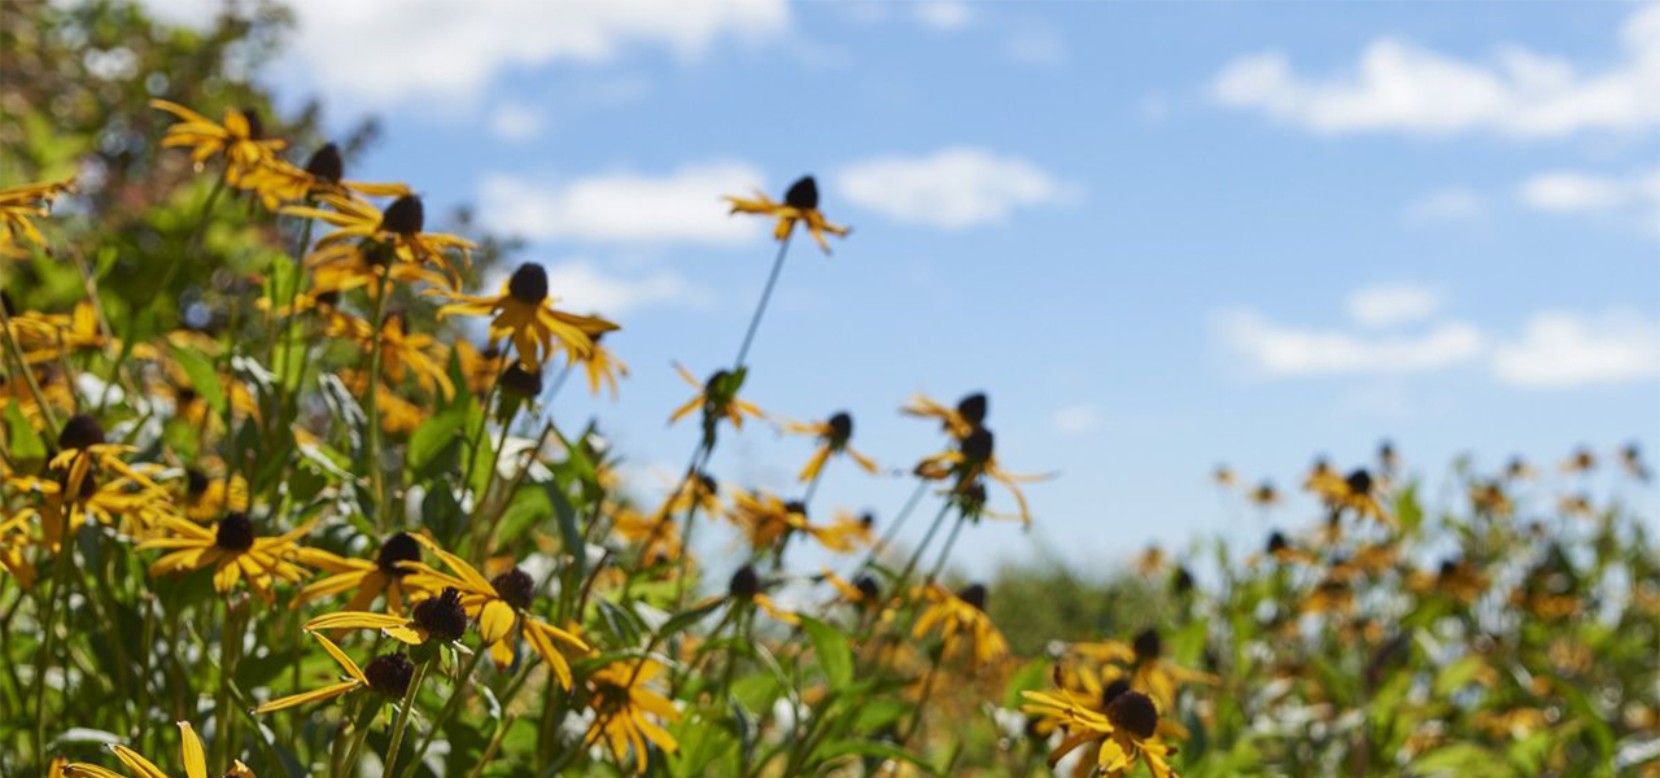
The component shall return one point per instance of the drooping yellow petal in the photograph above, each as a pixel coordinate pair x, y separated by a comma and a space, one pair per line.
494, 621
325, 693
195, 758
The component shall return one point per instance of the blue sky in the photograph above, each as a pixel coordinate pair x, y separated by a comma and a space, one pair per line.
1161, 236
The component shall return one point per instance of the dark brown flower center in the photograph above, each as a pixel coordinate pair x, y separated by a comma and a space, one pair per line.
867, 587
529, 284
973, 408
841, 427
442, 616
1113, 691
1148, 645
516, 588
256, 126
325, 164
196, 482
1277, 542
81, 431
802, 194
1135, 713
390, 674
405, 216
520, 383
400, 547
974, 594
1359, 482
745, 584
235, 532
977, 447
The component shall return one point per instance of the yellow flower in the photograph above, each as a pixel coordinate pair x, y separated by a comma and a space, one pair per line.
14, 538
499, 604
1149, 670
745, 588
863, 591
397, 414
194, 757
961, 615
401, 352
370, 579
957, 422
800, 205
232, 549
657, 534
388, 674
969, 464
524, 313
1127, 731
279, 181
240, 139
50, 337
1582, 461
624, 711
769, 522
366, 240
602, 366
479, 369
1223, 476
73, 492
17, 207
206, 497
1264, 495
718, 399
833, 435
440, 617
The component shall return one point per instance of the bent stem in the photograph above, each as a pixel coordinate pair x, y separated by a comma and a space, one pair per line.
761, 307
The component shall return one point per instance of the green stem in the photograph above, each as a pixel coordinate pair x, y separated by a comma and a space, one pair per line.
402, 722
15, 350
377, 479
450, 707
916, 556
898, 524
761, 307
60, 577
945, 551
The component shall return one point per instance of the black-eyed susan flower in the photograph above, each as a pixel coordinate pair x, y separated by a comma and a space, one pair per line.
833, 436
627, 713
1223, 476
959, 421
192, 754
1459, 579
1358, 494
523, 313
970, 463
240, 140
1583, 460
479, 367
19, 206
367, 242
440, 617
280, 181
367, 579
402, 353
205, 497
718, 399
232, 548
14, 539
500, 606
601, 366
657, 535
959, 617
1518, 469
1150, 671
1126, 733
1264, 495
769, 522
744, 588
863, 591
800, 206
388, 674
89, 480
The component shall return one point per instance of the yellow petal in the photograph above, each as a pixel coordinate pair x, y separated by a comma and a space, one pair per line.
495, 621
195, 759
325, 693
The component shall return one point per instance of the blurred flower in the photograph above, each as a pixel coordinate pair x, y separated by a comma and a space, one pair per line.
524, 314
718, 397
191, 750
20, 204
279, 181
957, 422
833, 435
624, 708
961, 615
800, 205
240, 140
367, 242
232, 549
1127, 731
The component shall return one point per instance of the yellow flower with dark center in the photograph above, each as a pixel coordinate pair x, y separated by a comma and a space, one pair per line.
658, 535
958, 617
479, 369
1519, 470
19, 205
14, 538
1150, 671
401, 352
370, 578
388, 674
191, 751
279, 181
1489, 499
800, 206
1583, 460
1224, 476
206, 497
1264, 495
1280, 549
240, 140
397, 413
1357, 493
365, 240
624, 711
47, 337
76, 490
833, 435
523, 313
970, 464
440, 617
1330, 595
745, 588
957, 422
1456, 578
499, 605
1322, 480
232, 549
863, 591
718, 399
769, 522
601, 366
1126, 732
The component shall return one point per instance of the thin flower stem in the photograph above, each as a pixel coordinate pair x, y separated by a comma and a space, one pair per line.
689, 522
945, 551
916, 556
221, 705
15, 350
922, 702
402, 722
450, 707
490, 751
377, 479
898, 524
761, 307
60, 577
288, 318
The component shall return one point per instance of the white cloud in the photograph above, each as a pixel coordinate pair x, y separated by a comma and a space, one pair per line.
1075, 420
1397, 86
1278, 351
1040, 46
684, 206
1560, 350
951, 189
516, 122
1571, 192
382, 51
1386, 305
1446, 206
581, 285
946, 15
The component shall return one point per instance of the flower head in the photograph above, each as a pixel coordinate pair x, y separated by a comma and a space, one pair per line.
800, 206
18, 206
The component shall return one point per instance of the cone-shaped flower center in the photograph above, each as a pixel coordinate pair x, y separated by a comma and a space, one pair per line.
529, 284
745, 584
974, 594
326, 164
867, 587
1147, 645
196, 482
405, 216
1277, 542
973, 408
978, 445
81, 431
841, 426
442, 616
1135, 713
1359, 482
390, 674
235, 533
400, 547
1113, 691
803, 194
519, 382
256, 126
516, 588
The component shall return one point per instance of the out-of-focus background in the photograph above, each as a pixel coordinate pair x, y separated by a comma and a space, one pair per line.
1160, 236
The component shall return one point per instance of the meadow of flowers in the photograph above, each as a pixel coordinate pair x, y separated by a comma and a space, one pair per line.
324, 516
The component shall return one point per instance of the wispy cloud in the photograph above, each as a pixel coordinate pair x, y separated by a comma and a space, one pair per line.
951, 189
1399, 87
1559, 350
1279, 351
683, 206
1386, 305
1452, 205
1579, 192
582, 285
516, 122
947, 15
1036, 45
1076, 420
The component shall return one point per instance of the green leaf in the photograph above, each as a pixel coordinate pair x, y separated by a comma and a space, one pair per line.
835, 653
875, 749
687, 618
434, 437
203, 378
26, 444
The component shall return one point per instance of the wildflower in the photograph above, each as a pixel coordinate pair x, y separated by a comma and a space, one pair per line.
18, 205
1488, 498
401, 352
961, 614
1224, 476
1150, 670
972, 461
1356, 494
388, 674
206, 497
365, 240
1631, 458
524, 313
1279, 548
499, 604
863, 591
479, 369
1582, 461
370, 578
1264, 495
800, 205
769, 522
657, 534
191, 750
232, 549
240, 140
957, 422
440, 617
13, 540
624, 708
1126, 731
601, 366
745, 587
1330, 595
1456, 578
833, 435
1151, 560
1519, 470
718, 397
279, 181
